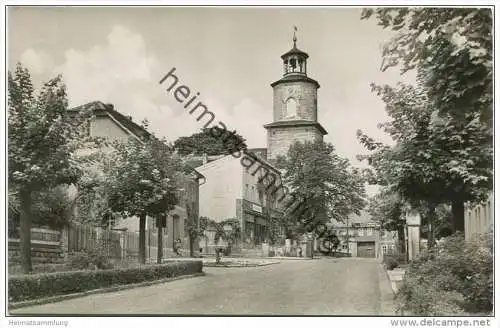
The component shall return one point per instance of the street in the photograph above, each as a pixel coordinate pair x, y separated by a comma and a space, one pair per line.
292, 287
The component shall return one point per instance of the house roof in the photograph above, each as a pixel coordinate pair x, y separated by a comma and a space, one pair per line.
100, 109
248, 152
295, 78
295, 51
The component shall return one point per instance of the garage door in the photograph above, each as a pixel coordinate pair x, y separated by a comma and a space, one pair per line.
366, 249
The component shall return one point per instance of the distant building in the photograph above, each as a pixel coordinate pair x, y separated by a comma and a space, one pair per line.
479, 219
363, 238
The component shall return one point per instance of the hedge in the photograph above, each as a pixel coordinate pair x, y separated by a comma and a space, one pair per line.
456, 278
28, 287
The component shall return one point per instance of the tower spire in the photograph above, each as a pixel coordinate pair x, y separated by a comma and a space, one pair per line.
294, 36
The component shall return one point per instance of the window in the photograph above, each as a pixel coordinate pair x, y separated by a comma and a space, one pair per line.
384, 249
246, 191
369, 231
361, 232
291, 107
252, 197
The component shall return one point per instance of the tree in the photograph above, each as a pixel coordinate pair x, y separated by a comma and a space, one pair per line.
434, 160
453, 45
92, 196
204, 142
387, 208
141, 182
452, 50
41, 140
330, 189
51, 208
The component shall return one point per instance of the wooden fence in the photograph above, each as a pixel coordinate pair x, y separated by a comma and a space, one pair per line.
51, 246
122, 245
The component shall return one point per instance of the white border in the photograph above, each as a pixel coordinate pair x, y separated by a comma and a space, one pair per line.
180, 322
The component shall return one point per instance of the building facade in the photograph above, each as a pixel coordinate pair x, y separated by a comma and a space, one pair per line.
234, 191
110, 124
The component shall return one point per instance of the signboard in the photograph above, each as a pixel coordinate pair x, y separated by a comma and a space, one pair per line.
257, 208
413, 218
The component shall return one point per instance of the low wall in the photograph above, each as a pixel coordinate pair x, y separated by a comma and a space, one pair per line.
45, 247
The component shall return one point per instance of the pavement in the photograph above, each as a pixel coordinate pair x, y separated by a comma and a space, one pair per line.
319, 287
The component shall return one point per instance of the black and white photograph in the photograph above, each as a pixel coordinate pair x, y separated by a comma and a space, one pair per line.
249, 160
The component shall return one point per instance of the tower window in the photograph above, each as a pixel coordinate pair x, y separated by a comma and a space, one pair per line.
291, 107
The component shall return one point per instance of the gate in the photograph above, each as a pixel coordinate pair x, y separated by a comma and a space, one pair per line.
366, 249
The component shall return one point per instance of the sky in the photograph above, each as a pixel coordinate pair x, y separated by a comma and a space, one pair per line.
229, 55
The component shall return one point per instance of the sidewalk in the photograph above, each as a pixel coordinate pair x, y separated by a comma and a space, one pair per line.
234, 261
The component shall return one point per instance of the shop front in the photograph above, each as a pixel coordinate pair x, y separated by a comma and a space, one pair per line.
255, 224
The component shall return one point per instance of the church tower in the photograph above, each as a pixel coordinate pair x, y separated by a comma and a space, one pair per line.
295, 112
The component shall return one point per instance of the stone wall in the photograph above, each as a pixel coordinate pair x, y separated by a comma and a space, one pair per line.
45, 247
305, 93
279, 139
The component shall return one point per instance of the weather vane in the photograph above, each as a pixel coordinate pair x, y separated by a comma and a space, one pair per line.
294, 35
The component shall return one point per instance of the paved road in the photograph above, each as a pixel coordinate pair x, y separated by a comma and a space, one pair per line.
307, 287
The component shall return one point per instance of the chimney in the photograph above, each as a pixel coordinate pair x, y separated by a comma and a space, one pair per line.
205, 158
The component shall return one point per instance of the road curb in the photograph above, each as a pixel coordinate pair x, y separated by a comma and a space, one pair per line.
59, 298
387, 295
239, 265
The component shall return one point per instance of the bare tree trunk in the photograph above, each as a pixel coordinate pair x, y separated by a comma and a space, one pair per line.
25, 230
401, 239
159, 255
431, 242
142, 239
458, 216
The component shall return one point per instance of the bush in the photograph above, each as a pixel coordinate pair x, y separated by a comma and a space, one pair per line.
455, 277
391, 263
88, 261
28, 287
95, 258
38, 268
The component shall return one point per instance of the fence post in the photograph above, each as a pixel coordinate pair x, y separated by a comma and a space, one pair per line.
149, 245
64, 242
122, 245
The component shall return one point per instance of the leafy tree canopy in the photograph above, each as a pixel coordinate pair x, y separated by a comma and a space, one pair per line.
42, 138
329, 186
435, 160
454, 46
141, 179
209, 143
